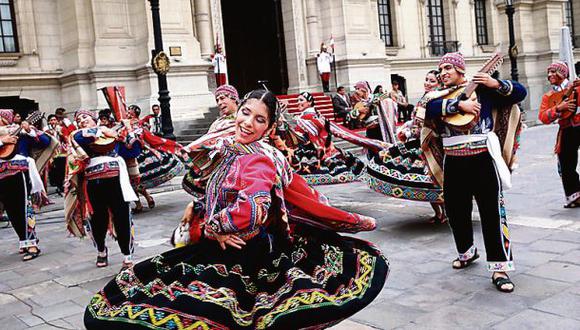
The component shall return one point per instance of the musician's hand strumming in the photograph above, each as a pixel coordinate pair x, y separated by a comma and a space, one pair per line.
109, 132
25, 126
9, 139
485, 79
470, 106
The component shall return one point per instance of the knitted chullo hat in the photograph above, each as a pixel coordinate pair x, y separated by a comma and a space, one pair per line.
560, 67
92, 114
7, 114
229, 91
455, 59
363, 84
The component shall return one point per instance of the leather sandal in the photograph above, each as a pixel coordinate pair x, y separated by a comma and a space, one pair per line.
104, 260
500, 281
150, 202
29, 255
465, 263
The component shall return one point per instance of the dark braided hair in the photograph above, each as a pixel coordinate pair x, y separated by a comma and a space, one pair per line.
269, 99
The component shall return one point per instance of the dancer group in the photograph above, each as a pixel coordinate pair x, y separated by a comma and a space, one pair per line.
258, 247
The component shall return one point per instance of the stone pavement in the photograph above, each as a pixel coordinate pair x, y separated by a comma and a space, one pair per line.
422, 291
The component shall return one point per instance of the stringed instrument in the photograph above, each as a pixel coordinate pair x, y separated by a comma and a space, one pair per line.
466, 121
104, 144
363, 107
8, 151
573, 90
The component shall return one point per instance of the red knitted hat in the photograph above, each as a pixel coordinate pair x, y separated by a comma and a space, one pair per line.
7, 114
85, 112
363, 84
455, 59
228, 90
560, 67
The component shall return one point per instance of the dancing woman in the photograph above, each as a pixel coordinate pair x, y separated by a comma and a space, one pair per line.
156, 164
401, 171
316, 158
272, 274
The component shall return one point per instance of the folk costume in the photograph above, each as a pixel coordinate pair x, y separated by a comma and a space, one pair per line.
98, 187
316, 158
22, 187
157, 163
401, 170
568, 138
56, 166
288, 275
484, 154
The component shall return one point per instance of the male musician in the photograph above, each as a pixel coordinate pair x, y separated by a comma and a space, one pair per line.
108, 188
568, 116
60, 130
153, 121
21, 184
474, 166
341, 103
227, 100
361, 95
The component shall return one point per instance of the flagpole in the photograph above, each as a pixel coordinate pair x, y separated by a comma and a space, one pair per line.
334, 63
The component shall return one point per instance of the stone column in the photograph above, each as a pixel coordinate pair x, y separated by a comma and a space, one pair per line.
312, 26
203, 27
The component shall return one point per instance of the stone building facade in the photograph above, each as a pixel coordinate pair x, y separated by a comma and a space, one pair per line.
64, 50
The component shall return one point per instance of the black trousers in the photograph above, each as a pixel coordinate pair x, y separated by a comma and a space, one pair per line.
105, 195
14, 196
405, 112
56, 172
467, 177
568, 159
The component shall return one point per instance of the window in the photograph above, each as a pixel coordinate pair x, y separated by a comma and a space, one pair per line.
481, 22
8, 40
385, 22
437, 40
569, 6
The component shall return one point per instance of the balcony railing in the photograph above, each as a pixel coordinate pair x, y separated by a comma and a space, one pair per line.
440, 48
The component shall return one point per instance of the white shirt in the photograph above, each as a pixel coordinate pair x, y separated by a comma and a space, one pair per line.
219, 64
323, 62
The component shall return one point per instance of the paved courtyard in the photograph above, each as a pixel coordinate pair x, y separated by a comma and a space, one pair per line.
422, 291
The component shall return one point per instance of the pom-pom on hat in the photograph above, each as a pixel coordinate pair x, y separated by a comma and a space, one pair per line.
228, 90
560, 68
455, 59
7, 115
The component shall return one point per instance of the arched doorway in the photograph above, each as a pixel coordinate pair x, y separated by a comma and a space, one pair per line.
254, 40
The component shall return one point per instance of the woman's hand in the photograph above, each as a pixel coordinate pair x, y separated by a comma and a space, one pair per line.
231, 240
